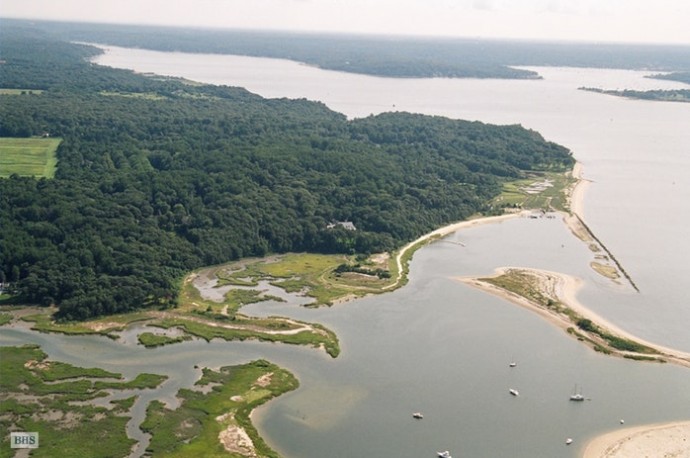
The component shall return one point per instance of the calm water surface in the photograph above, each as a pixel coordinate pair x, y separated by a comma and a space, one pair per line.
438, 346
637, 153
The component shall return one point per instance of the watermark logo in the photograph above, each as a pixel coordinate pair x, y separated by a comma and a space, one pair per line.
24, 440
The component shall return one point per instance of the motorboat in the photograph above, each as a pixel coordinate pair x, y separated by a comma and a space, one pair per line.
417, 415
445, 454
514, 392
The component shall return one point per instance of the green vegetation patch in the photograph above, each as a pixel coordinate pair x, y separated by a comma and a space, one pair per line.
237, 298
616, 342
151, 340
326, 278
243, 328
52, 397
28, 156
56, 370
545, 191
140, 382
5, 318
207, 424
43, 322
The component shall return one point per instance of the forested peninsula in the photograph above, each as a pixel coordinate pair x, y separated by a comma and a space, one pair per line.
156, 177
390, 56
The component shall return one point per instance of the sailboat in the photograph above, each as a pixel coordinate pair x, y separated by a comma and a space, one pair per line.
577, 395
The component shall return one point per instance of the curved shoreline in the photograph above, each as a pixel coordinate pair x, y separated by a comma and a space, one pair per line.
565, 289
660, 439
442, 232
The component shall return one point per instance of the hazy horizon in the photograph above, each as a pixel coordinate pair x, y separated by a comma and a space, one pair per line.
612, 21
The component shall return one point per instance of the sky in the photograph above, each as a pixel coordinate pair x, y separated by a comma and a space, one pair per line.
635, 21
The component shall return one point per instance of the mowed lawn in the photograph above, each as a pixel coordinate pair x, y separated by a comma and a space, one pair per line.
28, 156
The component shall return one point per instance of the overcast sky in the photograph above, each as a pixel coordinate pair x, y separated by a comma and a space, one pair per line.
651, 21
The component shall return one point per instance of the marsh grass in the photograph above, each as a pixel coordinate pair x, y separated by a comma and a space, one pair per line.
193, 428
554, 197
43, 322
51, 398
315, 276
252, 329
5, 318
151, 340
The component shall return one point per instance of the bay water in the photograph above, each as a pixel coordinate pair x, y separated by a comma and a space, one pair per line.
438, 346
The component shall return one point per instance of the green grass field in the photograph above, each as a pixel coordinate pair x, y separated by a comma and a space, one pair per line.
28, 156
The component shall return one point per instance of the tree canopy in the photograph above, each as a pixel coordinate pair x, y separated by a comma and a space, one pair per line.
157, 177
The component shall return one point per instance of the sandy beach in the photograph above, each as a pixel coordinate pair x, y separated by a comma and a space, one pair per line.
577, 194
564, 288
667, 440
445, 230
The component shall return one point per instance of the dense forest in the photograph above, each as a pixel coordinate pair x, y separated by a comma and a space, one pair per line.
157, 177
683, 77
395, 56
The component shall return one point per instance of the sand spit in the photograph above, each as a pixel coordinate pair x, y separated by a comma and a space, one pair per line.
667, 440
563, 288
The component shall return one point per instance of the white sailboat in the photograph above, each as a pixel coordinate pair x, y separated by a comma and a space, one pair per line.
577, 395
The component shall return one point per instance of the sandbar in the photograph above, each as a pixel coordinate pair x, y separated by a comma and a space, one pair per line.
564, 288
668, 440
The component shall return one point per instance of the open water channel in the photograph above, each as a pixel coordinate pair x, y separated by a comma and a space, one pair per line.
438, 346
